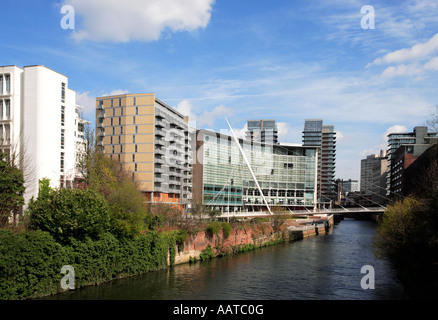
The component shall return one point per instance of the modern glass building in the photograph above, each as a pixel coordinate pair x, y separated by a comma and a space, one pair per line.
316, 134
222, 180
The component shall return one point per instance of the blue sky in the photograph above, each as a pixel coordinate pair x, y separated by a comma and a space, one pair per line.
278, 59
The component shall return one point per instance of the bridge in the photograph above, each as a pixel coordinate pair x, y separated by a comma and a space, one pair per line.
360, 213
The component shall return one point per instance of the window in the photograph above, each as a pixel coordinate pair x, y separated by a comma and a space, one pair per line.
120, 102
111, 121
62, 162
135, 100
113, 149
121, 111
62, 115
62, 138
121, 130
1, 84
62, 92
133, 158
135, 167
133, 139
133, 120
112, 103
120, 121
8, 134
8, 83
136, 111
1, 109
121, 148
136, 148
136, 129
114, 112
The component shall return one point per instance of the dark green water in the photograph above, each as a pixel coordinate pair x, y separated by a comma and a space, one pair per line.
323, 267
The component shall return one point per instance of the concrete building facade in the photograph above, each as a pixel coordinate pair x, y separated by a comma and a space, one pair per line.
262, 131
151, 140
40, 125
316, 134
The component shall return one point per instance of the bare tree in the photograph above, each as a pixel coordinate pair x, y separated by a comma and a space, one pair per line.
432, 122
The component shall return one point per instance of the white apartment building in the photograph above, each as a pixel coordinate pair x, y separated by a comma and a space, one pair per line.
40, 125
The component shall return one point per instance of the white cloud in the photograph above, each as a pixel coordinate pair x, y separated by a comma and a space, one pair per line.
143, 20
402, 70
206, 118
87, 102
418, 51
283, 129
432, 64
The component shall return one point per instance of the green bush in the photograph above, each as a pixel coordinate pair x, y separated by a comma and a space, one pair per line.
207, 253
213, 228
31, 262
71, 213
226, 229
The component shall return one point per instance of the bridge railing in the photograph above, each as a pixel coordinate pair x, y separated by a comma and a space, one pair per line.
303, 212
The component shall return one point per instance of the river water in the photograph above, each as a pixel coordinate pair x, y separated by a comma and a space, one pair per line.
324, 267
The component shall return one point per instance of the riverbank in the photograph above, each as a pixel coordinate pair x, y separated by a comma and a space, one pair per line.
323, 267
196, 246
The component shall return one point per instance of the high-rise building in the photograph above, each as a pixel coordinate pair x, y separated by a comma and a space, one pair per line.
152, 141
40, 125
367, 172
419, 139
316, 134
222, 180
262, 131
379, 179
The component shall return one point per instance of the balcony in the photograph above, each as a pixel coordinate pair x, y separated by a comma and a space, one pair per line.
158, 179
159, 132
160, 142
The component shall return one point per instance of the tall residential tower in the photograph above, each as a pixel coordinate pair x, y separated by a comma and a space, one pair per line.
316, 134
152, 141
262, 131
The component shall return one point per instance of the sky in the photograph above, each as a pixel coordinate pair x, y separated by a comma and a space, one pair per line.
366, 70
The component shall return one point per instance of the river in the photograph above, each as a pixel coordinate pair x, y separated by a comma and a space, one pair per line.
324, 267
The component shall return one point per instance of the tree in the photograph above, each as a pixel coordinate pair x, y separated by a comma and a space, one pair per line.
11, 189
278, 218
126, 201
65, 213
432, 122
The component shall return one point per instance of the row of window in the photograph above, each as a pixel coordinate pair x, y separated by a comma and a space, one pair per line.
5, 84
5, 134
5, 109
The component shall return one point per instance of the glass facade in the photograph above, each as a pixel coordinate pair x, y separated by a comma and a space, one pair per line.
285, 174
